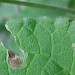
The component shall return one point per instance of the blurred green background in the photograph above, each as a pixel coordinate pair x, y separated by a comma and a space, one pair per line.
12, 11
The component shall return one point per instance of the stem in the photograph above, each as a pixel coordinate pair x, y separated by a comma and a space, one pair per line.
67, 10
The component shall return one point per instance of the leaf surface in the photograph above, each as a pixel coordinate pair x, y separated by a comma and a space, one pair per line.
3, 64
50, 47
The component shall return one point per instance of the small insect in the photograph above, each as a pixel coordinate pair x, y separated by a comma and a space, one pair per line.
16, 61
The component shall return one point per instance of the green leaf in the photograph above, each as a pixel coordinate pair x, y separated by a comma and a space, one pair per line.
62, 23
72, 31
31, 39
36, 65
3, 64
49, 48
17, 71
73, 64
51, 68
63, 72
62, 49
